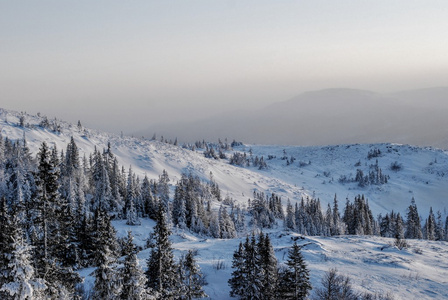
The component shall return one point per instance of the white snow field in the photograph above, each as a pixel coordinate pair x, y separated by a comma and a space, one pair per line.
372, 263
419, 272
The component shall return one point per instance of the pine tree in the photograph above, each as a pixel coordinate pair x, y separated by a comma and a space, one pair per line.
226, 225
193, 279
290, 217
162, 271
6, 241
268, 264
104, 238
22, 283
413, 223
295, 278
253, 269
106, 284
440, 230
132, 276
430, 226
148, 200
238, 280
164, 194
51, 237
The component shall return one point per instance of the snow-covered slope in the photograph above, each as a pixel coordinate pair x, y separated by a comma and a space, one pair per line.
417, 272
372, 263
423, 174
315, 170
147, 157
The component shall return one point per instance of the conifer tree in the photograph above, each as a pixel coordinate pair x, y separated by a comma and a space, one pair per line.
268, 264
430, 226
106, 283
295, 278
21, 283
149, 205
238, 280
132, 277
413, 223
162, 271
246, 280
52, 226
192, 278
226, 225
290, 217
164, 194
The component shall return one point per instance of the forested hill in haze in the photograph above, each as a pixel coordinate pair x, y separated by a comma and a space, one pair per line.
331, 116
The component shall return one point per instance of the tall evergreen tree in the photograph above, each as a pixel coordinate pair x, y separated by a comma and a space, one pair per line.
21, 282
192, 278
106, 279
51, 227
430, 226
290, 217
268, 264
413, 223
133, 279
162, 271
238, 280
164, 194
295, 278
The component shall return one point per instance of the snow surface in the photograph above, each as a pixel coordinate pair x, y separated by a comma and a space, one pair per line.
418, 272
372, 263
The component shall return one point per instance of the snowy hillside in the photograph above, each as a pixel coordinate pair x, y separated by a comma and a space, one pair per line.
372, 263
315, 171
399, 172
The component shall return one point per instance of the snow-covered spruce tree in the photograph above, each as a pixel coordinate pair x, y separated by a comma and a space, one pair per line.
21, 282
294, 279
338, 227
17, 277
106, 281
179, 208
51, 230
358, 217
100, 177
164, 194
104, 238
162, 272
268, 264
246, 280
226, 225
430, 226
106, 286
131, 200
290, 223
238, 279
238, 218
413, 223
440, 229
192, 278
149, 204
133, 280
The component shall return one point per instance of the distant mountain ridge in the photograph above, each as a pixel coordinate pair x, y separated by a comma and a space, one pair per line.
330, 116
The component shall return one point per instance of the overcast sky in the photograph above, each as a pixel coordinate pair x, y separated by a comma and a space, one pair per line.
121, 65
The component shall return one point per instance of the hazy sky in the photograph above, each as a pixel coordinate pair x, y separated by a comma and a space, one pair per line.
121, 65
